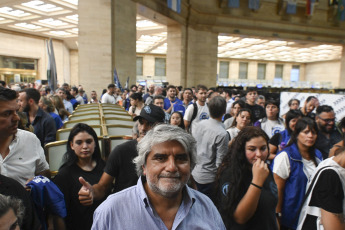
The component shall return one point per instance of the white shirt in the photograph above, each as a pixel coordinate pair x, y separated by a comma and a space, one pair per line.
233, 131
228, 105
107, 98
79, 99
202, 114
272, 127
68, 106
282, 166
25, 159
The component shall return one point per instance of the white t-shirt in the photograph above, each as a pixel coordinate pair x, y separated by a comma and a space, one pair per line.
106, 98
272, 127
202, 114
233, 131
79, 99
25, 159
282, 166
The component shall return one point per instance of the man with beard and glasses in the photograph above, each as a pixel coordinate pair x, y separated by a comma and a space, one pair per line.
43, 123
21, 154
161, 198
327, 135
120, 164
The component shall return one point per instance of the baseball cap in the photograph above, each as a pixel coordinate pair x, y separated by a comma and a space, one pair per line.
151, 113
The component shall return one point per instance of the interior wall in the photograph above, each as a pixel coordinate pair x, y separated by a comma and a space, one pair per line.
323, 71
17, 45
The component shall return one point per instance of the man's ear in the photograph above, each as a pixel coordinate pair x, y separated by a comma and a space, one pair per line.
31, 101
144, 170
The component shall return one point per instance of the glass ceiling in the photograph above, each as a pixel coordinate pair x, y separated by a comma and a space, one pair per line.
59, 19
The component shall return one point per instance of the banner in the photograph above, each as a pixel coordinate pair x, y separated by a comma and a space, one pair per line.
51, 68
341, 10
291, 7
310, 5
254, 4
234, 3
175, 5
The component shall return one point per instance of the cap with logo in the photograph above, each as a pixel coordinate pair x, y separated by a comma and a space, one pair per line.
151, 113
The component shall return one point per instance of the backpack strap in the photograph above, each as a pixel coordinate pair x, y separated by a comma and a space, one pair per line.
310, 188
195, 111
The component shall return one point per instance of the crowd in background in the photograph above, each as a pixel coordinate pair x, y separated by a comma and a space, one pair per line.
255, 164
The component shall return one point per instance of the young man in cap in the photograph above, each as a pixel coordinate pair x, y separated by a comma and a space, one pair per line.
120, 162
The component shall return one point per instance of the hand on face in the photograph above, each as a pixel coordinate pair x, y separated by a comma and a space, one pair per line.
260, 172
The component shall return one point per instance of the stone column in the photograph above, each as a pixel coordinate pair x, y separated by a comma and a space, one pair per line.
94, 44
341, 83
124, 40
176, 58
201, 63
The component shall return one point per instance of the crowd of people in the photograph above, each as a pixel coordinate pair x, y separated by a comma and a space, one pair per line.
199, 158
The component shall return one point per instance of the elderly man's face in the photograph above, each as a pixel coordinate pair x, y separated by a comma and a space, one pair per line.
167, 169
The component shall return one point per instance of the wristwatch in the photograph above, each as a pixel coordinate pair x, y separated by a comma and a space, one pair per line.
278, 214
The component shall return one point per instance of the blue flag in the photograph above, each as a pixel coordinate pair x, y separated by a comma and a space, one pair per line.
254, 4
117, 80
291, 7
234, 3
175, 5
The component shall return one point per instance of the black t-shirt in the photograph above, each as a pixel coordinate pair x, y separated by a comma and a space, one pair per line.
11, 187
78, 216
275, 139
257, 112
264, 217
328, 194
120, 165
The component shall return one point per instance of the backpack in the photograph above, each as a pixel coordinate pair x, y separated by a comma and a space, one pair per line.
195, 111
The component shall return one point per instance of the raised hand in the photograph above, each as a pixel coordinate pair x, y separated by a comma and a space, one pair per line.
260, 172
85, 193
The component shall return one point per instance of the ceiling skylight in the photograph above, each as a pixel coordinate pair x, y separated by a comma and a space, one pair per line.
28, 26
41, 6
52, 22
12, 12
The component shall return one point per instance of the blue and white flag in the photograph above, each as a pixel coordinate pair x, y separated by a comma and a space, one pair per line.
291, 7
254, 4
175, 5
127, 83
51, 68
234, 3
117, 80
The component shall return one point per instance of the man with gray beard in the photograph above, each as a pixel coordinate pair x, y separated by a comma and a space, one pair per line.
161, 199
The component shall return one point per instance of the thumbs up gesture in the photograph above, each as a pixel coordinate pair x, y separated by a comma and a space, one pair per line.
85, 193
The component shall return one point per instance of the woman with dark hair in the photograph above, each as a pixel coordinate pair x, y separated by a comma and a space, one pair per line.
294, 104
247, 194
280, 140
292, 168
177, 119
236, 106
137, 104
82, 159
340, 144
242, 119
271, 123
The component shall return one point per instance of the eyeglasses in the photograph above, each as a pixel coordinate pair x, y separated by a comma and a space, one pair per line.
327, 120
